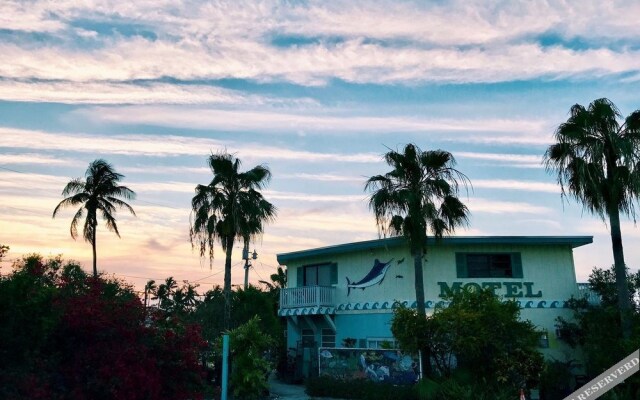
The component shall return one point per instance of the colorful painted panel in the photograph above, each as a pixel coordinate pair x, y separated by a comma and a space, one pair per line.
379, 365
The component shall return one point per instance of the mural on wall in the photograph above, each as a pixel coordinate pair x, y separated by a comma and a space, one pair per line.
376, 275
378, 365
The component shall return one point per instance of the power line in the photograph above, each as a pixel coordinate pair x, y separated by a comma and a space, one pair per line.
13, 170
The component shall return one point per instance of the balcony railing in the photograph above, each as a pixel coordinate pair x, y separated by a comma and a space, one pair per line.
308, 296
585, 291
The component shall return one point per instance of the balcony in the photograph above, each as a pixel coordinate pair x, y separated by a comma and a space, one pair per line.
307, 296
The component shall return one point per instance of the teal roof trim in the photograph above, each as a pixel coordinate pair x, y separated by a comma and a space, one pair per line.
573, 241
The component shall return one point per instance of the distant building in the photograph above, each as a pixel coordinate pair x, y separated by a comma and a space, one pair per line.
348, 291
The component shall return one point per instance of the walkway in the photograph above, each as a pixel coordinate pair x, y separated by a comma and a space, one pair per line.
284, 391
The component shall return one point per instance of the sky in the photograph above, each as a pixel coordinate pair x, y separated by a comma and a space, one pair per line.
318, 92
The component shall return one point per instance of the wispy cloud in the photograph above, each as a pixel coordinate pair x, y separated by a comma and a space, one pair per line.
165, 145
488, 206
512, 184
517, 160
376, 43
124, 93
278, 121
323, 177
276, 195
33, 158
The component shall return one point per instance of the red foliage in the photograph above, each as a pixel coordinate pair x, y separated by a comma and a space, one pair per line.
102, 349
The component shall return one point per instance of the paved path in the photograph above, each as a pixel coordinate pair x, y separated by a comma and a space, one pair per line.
284, 391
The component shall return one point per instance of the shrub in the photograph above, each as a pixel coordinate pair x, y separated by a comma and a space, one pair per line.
66, 335
250, 367
476, 332
357, 389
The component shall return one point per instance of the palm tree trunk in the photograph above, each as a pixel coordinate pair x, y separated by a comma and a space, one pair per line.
227, 284
95, 256
622, 286
419, 283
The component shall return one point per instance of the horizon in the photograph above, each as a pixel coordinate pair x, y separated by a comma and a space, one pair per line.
318, 93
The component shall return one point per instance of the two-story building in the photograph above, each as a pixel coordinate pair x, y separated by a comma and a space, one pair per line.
348, 291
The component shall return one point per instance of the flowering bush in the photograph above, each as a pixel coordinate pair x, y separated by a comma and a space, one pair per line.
72, 336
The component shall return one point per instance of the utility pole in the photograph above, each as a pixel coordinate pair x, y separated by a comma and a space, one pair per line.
247, 263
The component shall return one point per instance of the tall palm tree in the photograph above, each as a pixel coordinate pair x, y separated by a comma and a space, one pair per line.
418, 196
597, 161
149, 288
229, 208
100, 194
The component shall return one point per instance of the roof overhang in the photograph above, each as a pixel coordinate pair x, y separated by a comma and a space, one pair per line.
573, 241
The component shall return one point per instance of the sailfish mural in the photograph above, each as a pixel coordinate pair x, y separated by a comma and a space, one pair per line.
376, 275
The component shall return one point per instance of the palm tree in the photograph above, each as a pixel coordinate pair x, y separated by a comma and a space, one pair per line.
229, 208
149, 288
99, 193
419, 195
597, 161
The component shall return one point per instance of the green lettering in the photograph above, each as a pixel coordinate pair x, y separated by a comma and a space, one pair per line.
513, 289
446, 291
529, 290
472, 287
492, 286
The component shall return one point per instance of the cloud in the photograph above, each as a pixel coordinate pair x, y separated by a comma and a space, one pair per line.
487, 206
516, 160
33, 158
512, 184
323, 177
277, 121
354, 61
122, 93
164, 145
359, 42
305, 197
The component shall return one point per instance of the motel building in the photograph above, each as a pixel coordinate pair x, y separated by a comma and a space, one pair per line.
349, 290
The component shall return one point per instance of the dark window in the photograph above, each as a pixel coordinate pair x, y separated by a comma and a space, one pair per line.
308, 338
489, 265
320, 275
328, 338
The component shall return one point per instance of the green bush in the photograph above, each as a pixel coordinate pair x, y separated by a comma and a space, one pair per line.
450, 389
484, 333
250, 368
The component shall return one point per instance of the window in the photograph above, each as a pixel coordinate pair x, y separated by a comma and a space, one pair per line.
308, 338
489, 265
325, 274
381, 343
328, 338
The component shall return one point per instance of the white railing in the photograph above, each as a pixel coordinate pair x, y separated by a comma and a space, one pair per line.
585, 291
308, 296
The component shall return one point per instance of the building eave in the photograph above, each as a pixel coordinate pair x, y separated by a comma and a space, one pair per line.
573, 241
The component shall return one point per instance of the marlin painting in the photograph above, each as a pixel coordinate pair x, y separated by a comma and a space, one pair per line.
376, 275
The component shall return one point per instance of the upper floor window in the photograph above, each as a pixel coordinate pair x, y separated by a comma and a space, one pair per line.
489, 265
325, 274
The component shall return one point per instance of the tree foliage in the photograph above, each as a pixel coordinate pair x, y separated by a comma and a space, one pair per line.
229, 208
419, 195
596, 329
596, 159
478, 333
99, 194
250, 370
66, 335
